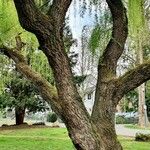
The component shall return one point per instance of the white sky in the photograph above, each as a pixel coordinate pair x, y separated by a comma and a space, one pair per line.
77, 22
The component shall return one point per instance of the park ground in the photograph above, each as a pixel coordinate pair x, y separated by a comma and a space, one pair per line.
50, 139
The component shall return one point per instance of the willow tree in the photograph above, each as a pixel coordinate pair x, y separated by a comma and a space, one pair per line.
138, 26
95, 132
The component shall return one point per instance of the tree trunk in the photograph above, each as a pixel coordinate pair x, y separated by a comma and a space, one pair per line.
103, 116
143, 119
97, 132
74, 113
19, 115
142, 109
106, 129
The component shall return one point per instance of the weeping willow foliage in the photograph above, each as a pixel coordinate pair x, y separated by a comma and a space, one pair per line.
100, 34
5, 66
138, 27
136, 17
39, 63
8, 26
94, 41
9, 29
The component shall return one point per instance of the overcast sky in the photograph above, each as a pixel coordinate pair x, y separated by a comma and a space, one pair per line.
77, 22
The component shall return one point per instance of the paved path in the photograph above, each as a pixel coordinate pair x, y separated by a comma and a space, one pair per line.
122, 130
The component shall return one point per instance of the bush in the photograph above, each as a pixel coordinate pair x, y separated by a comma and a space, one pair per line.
5, 125
51, 117
121, 120
39, 123
124, 120
142, 137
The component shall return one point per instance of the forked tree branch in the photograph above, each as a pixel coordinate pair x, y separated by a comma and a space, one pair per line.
48, 92
32, 20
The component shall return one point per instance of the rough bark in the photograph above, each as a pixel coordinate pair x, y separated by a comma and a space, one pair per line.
79, 127
50, 37
97, 132
19, 115
142, 109
132, 79
103, 114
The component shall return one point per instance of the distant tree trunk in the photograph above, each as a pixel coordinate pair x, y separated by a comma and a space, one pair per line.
143, 119
19, 115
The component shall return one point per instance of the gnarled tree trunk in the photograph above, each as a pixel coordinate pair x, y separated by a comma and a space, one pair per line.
103, 117
87, 133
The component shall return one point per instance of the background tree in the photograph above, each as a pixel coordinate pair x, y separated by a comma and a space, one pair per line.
21, 95
138, 25
12, 33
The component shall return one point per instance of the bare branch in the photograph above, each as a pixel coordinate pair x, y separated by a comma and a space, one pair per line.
133, 78
38, 23
48, 92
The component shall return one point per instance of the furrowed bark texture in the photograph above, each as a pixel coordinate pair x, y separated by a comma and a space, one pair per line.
49, 32
87, 133
103, 114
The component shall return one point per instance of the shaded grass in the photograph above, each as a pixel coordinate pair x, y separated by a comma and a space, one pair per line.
50, 139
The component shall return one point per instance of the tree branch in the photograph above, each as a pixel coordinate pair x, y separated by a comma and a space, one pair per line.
48, 92
32, 20
108, 62
38, 23
58, 10
132, 79
115, 47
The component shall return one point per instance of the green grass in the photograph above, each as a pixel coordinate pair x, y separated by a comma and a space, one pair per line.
130, 144
50, 139
131, 126
35, 139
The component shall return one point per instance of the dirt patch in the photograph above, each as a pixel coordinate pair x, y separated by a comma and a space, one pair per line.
23, 126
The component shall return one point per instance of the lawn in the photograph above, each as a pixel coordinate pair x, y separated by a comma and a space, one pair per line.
136, 127
50, 139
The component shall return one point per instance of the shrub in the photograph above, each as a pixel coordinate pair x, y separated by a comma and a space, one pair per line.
142, 137
124, 120
51, 117
5, 125
39, 123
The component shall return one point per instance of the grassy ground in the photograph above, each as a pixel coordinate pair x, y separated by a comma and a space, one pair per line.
136, 127
50, 139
